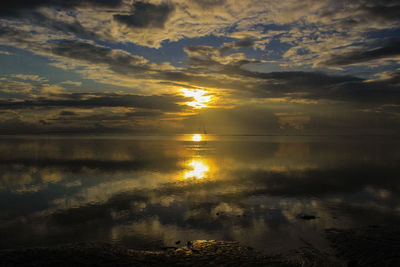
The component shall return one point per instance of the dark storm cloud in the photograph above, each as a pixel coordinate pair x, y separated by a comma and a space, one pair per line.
381, 10
27, 10
207, 59
39, 19
36, 18
364, 11
117, 60
146, 15
318, 85
314, 79
244, 43
16, 125
82, 100
202, 49
20, 127
389, 49
201, 55
296, 84
206, 51
14, 35
143, 114
117, 118
126, 64
67, 113
57, 25
91, 53
14, 8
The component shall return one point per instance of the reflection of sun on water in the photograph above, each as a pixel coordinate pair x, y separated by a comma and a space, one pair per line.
199, 169
200, 100
196, 138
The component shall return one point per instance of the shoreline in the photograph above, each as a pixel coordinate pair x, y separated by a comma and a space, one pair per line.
369, 246
194, 253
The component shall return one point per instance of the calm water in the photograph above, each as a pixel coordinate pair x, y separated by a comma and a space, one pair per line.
150, 192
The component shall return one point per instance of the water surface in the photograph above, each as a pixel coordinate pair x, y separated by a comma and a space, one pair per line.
150, 192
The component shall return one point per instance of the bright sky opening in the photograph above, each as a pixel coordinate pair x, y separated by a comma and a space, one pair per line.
200, 99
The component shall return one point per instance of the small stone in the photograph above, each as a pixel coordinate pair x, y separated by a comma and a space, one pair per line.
178, 242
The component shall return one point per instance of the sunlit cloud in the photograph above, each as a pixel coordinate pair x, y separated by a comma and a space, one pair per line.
200, 97
224, 54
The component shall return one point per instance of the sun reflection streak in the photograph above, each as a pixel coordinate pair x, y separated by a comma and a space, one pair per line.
197, 138
199, 169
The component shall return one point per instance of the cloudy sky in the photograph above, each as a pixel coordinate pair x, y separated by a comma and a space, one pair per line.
232, 67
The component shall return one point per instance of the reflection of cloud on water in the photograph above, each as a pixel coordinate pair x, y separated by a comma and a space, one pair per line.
21, 180
378, 192
199, 169
257, 189
102, 191
154, 234
293, 150
229, 209
183, 211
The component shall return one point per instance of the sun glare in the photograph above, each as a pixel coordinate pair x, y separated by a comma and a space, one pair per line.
199, 169
200, 100
196, 138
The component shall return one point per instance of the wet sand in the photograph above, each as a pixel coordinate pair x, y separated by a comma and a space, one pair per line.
370, 246
195, 253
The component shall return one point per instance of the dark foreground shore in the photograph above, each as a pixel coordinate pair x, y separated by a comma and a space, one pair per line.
373, 246
196, 253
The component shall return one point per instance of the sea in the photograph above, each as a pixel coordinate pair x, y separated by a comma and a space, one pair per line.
272, 193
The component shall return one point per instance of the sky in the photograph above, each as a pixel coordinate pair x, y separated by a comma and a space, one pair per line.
223, 66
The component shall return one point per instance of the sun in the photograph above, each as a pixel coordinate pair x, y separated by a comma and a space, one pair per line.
200, 100
196, 138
